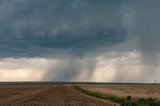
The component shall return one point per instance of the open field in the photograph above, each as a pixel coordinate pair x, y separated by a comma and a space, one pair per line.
121, 100
62, 94
45, 95
123, 90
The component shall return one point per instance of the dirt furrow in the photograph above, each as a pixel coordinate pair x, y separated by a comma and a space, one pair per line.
52, 96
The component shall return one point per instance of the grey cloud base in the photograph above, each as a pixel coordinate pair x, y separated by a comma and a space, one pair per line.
34, 29
88, 40
80, 29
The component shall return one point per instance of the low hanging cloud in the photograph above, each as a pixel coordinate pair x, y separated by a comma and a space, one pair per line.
35, 29
76, 33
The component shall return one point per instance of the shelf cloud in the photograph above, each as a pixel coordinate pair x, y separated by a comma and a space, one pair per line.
80, 39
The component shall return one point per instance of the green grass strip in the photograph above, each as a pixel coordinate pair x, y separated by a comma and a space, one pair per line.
122, 101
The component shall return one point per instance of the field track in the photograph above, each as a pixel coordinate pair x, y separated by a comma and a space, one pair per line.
45, 95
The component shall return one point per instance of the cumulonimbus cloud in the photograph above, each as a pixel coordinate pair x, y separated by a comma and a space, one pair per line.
43, 27
79, 31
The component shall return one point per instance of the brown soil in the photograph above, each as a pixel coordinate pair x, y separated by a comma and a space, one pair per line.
45, 95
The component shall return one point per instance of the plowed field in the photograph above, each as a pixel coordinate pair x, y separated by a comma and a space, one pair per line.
45, 95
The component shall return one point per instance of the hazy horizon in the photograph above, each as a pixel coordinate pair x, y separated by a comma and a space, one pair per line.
80, 40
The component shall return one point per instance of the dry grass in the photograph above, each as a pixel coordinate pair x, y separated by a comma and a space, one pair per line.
124, 90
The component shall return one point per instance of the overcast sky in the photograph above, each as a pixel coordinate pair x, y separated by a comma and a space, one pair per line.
80, 40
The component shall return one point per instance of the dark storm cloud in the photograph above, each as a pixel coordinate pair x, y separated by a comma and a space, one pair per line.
61, 29
74, 28
33, 28
143, 29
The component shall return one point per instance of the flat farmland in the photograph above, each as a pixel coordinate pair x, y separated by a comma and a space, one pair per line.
123, 90
45, 95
